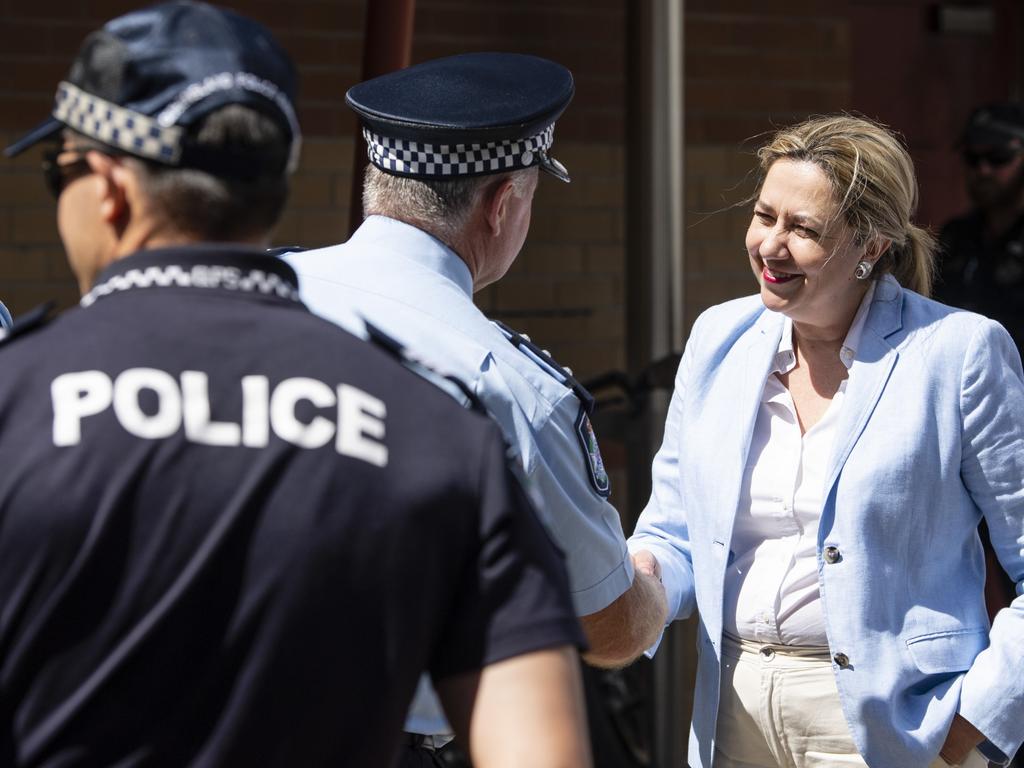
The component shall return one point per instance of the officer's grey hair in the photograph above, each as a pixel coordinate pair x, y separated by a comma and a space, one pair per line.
443, 205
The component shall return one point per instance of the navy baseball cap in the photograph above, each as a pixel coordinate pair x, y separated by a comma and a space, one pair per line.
142, 81
994, 125
466, 115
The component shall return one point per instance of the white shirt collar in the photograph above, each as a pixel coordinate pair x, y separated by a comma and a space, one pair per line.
418, 246
785, 357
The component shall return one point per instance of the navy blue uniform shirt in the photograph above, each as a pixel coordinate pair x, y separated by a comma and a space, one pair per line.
232, 534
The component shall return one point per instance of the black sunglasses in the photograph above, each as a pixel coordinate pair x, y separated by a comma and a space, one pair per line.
58, 175
993, 158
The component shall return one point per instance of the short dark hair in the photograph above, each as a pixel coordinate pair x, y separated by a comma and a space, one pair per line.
222, 207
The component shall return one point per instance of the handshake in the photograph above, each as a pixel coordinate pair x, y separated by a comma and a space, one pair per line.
647, 564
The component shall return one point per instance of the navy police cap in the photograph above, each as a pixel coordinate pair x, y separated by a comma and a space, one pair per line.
141, 81
465, 115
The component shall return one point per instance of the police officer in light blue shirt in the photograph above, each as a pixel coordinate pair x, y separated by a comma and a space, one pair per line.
5, 316
455, 146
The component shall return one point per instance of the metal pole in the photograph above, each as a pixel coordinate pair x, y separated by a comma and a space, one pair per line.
655, 304
387, 46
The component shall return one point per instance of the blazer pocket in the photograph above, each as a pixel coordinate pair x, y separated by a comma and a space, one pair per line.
954, 651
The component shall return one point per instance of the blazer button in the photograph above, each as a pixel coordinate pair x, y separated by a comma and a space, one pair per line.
832, 555
842, 660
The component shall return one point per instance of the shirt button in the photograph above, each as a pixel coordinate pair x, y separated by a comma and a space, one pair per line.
832, 555
842, 660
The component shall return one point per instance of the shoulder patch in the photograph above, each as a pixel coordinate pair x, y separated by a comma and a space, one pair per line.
544, 360
455, 387
28, 322
592, 454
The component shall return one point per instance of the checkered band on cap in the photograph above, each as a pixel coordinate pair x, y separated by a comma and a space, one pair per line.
403, 157
116, 126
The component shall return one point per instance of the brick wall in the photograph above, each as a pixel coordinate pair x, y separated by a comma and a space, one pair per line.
565, 290
749, 66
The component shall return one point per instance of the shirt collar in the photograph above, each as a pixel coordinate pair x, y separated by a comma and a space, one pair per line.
416, 245
849, 349
233, 268
785, 357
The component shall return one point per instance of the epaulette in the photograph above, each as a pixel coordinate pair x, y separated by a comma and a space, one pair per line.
28, 322
281, 250
544, 360
455, 387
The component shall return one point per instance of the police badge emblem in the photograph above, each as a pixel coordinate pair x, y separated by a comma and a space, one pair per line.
592, 455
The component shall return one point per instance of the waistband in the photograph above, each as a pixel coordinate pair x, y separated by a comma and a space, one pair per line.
737, 648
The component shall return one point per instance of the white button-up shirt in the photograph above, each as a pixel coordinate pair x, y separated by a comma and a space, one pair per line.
771, 583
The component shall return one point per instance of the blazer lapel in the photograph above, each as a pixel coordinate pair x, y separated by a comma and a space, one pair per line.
873, 364
750, 367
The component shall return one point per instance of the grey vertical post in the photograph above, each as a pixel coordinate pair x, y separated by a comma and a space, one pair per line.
655, 303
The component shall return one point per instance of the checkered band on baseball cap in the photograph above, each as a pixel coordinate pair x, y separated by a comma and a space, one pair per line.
146, 81
404, 157
116, 126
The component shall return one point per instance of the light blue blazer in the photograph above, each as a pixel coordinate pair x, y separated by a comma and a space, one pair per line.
931, 437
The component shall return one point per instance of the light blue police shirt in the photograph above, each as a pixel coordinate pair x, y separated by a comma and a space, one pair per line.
416, 289
5, 316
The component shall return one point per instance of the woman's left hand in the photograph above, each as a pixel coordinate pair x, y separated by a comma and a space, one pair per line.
961, 739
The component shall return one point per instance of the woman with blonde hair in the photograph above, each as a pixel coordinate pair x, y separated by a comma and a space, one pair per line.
831, 446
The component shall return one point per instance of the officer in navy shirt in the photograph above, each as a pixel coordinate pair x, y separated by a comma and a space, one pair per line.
230, 533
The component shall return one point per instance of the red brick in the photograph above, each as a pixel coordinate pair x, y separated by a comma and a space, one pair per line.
22, 187
542, 259
41, 76
789, 8
21, 263
66, 37
324, 50
21, 111
24, 38
605, 259
752, 66
324, 120
320, 154
26, 296
516, 293
757, 33
311, 190
51, 11
34, 226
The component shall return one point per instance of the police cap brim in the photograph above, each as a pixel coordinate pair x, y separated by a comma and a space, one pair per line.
468, 99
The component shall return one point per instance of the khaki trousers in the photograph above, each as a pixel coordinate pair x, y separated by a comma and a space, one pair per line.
780, 709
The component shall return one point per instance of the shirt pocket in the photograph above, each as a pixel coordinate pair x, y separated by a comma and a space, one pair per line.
953, 651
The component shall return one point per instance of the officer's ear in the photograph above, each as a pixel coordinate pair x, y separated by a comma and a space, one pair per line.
117, 182
496, 202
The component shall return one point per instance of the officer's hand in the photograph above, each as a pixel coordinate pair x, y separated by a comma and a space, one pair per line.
646, 563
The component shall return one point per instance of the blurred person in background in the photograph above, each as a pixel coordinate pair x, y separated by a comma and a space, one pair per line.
982, 252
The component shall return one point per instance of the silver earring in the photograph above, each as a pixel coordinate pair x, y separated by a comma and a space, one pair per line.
863, 269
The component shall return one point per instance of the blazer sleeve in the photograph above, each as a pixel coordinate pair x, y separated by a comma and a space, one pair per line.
662, 528
992, 469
